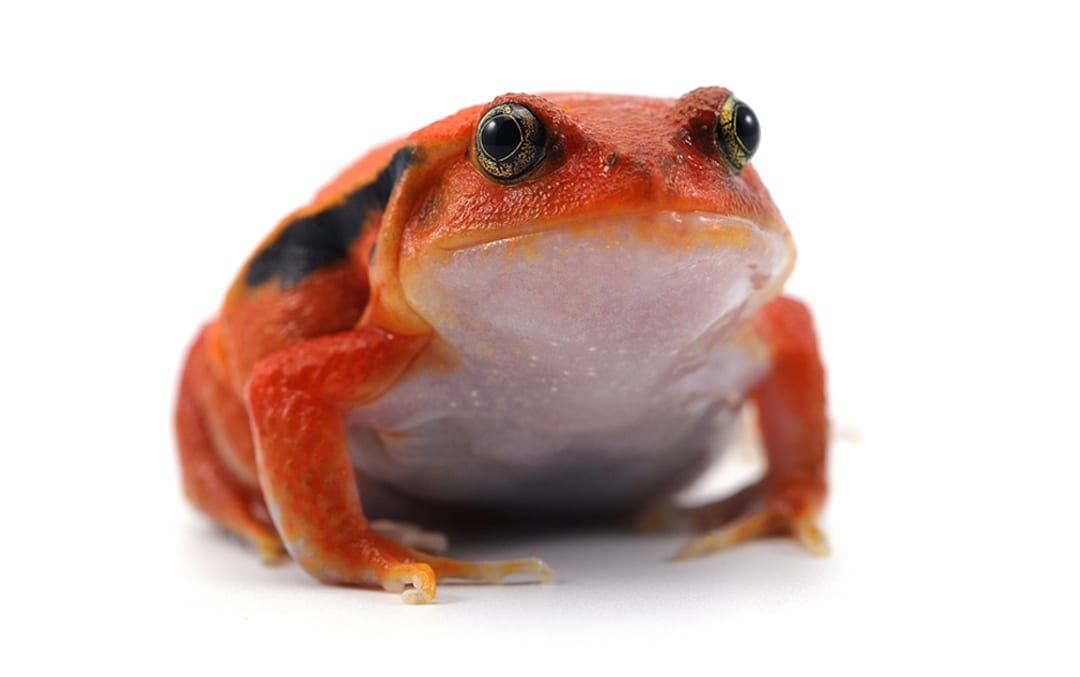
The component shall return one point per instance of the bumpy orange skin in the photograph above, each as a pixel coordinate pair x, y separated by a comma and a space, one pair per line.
268, 384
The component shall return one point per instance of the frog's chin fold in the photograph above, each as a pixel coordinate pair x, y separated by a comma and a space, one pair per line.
653, 282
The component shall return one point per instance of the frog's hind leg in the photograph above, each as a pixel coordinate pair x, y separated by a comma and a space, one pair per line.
217, 487
790, 403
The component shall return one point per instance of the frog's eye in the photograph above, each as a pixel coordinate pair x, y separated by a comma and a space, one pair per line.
737, 132
510, 141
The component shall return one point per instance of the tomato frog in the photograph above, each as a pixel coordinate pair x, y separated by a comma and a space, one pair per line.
552, 305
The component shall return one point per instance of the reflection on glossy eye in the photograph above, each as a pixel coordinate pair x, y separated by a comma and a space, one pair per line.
738, 132
510, 141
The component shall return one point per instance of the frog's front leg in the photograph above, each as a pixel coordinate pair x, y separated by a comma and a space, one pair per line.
790, 403
297, 399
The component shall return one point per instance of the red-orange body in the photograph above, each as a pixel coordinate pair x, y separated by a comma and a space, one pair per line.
506, 299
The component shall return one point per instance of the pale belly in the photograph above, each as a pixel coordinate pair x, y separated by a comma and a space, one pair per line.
516, 434
587, 369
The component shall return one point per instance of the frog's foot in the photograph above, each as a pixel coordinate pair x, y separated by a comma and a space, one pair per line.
491, 571
412, 535
765, 508
416, 580
363, 556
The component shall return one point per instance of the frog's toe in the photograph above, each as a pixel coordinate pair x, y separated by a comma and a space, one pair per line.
803, 530
492, 571
412, 536
415, 581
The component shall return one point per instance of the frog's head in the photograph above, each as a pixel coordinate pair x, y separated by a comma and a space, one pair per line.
584, 217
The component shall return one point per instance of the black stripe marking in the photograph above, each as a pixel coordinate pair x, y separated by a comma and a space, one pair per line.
316, 240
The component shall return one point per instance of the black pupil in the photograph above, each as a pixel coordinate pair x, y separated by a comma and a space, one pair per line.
746, 128
500, 137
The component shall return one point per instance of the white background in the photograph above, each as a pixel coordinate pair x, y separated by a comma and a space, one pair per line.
924, 155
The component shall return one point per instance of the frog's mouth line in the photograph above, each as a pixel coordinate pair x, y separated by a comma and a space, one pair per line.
669, 230
619, 278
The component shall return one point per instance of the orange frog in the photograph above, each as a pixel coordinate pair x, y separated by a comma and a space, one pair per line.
554, 305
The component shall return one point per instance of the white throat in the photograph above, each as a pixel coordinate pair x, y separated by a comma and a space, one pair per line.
604, 354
